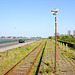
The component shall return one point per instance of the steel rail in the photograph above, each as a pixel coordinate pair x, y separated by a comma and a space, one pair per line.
21, 60
34, 61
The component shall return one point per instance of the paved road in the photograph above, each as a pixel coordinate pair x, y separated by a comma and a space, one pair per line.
6, 46
11, 44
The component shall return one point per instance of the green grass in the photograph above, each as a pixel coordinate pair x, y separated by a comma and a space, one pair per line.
71, 48
63, 70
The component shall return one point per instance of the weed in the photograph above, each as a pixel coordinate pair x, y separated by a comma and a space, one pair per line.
19, 47
27, 48
42, 70
47, 63
62, 62
47, 70
64, 71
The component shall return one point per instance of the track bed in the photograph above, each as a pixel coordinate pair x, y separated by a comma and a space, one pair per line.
24, 66
65, 66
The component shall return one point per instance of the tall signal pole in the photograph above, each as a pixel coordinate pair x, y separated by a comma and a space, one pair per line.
54, 13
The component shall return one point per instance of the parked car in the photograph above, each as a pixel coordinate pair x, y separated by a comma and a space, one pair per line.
21, 40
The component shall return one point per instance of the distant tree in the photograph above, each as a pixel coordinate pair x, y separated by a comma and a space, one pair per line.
3, 37
9, 37
50, 37
32, 37
14, 37
18, 37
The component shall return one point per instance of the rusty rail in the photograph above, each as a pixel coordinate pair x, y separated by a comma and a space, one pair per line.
21, 60
33, 62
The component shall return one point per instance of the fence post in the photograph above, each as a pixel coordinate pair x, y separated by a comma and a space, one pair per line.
6, 53
66, 46
59, 44
63, 46
0, 55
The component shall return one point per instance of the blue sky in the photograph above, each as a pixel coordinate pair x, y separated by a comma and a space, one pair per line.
34, 17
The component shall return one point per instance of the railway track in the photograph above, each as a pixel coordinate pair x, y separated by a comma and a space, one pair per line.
24, 66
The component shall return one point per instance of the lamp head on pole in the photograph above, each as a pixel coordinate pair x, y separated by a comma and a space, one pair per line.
54, 12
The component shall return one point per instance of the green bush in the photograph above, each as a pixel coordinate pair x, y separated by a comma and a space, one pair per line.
69, 40
64, 37
50, 37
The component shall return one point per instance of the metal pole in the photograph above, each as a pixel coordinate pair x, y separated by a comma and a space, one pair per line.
55, 41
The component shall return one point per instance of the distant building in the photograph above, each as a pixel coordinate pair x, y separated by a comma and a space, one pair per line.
73, 36
69, 32
58, 35
74, 32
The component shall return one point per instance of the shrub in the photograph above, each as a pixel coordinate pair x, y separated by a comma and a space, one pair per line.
50, 37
